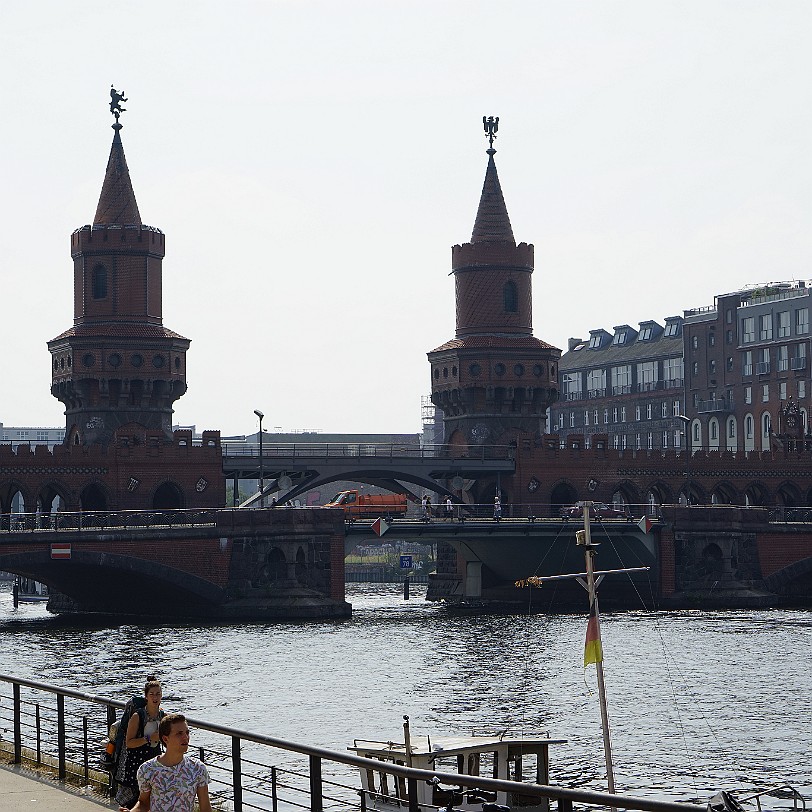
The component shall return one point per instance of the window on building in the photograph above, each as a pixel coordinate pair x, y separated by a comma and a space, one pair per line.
645, 334
647, 376
614, 414
765, 332
650, 441
99, 282
561, 420
672, 372
622, 379
586, 418
696, 428
729, 315
799, 359
696, 367
782, 390
712, 367
649, 410
731, 428
729, 336
572, 385
572, 420
783, 324
747, 363
595, 415
748, 329
748, 394
606, 417
664, 409
678, 435
676, 409
801, 389
510, 297
616, 441
42, 436
622, 414
748, 427
711, 339
637, 443
763, 365
637, 412
783, 358
765, 393
729, 364
695, 342
623, 442
595, 341
619, 337
802, 321
671, 328
596, 381
696, 399
713, 430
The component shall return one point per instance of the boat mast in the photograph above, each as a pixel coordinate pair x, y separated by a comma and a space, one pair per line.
591, 586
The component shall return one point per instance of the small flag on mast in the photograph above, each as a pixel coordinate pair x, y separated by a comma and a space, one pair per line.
593, 650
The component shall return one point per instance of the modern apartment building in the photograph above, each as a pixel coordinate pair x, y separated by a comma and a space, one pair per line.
747, 356
627, 384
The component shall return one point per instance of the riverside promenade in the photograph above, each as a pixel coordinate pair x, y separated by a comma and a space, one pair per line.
22, 789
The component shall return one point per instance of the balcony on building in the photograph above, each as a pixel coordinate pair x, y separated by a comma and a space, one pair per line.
597, 393
672, 383
762, 367
799, 362
649, 386
719, 404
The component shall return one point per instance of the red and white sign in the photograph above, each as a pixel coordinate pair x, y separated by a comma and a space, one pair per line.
60, 550
645, 524
379, 526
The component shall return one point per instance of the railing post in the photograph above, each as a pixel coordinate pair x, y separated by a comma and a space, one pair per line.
39, 734
274, 798
316, 801
18, 733
411, 784
236, 765
60, 734
564, 805
84, 746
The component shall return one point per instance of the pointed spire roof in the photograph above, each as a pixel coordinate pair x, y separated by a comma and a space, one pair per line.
117, 205
492, 221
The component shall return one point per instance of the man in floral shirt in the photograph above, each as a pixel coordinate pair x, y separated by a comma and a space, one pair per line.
171, 782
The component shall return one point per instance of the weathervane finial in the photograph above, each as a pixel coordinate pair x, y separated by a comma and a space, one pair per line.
115, 105
491, 125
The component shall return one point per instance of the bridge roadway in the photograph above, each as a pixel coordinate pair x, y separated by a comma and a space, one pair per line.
388, 465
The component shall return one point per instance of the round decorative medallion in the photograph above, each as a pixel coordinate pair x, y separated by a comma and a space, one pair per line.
137, 359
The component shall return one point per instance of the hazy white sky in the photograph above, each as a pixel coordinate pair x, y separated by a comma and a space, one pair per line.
312, 163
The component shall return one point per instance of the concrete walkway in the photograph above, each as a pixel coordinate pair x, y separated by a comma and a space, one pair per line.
23, 790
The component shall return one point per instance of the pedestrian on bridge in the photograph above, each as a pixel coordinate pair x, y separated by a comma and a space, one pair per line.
172, 782
497, 509
449, 508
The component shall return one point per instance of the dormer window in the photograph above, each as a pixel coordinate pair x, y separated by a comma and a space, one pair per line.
594, 342
645, 334
620, 337
671, 328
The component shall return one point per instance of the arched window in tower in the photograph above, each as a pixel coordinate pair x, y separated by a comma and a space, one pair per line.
511, 297
100, 282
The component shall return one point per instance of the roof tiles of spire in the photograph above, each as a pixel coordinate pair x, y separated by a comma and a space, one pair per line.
492, 222
117, 205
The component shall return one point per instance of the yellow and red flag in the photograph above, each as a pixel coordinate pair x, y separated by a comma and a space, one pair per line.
593, 650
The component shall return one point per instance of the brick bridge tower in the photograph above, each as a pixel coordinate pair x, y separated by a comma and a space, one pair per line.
118, 364
494, 380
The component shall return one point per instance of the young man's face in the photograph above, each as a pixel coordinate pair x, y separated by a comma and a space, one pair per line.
178, 739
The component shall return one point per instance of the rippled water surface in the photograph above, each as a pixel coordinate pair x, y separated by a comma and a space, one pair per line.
698, 701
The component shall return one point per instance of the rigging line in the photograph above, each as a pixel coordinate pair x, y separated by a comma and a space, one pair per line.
666, 654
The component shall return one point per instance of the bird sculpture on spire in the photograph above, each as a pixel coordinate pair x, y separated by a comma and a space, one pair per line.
491, 126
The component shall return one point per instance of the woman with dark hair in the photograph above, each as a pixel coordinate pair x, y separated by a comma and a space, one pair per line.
141, 742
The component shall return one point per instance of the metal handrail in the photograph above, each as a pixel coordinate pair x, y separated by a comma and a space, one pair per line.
316, 755
361, 449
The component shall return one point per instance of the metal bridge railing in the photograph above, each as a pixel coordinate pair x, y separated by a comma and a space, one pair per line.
65, 730
379, 450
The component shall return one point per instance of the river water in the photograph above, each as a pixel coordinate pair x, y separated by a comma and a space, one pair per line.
698, 701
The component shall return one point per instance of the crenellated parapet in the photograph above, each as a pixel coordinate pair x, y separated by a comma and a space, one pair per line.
502, 254
105, 238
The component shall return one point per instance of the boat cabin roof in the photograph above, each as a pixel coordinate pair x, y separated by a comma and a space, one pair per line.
453, 746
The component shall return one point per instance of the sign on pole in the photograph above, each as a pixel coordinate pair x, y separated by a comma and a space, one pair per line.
379, 527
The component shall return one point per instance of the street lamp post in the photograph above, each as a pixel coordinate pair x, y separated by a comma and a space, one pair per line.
260, 415
686, 423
